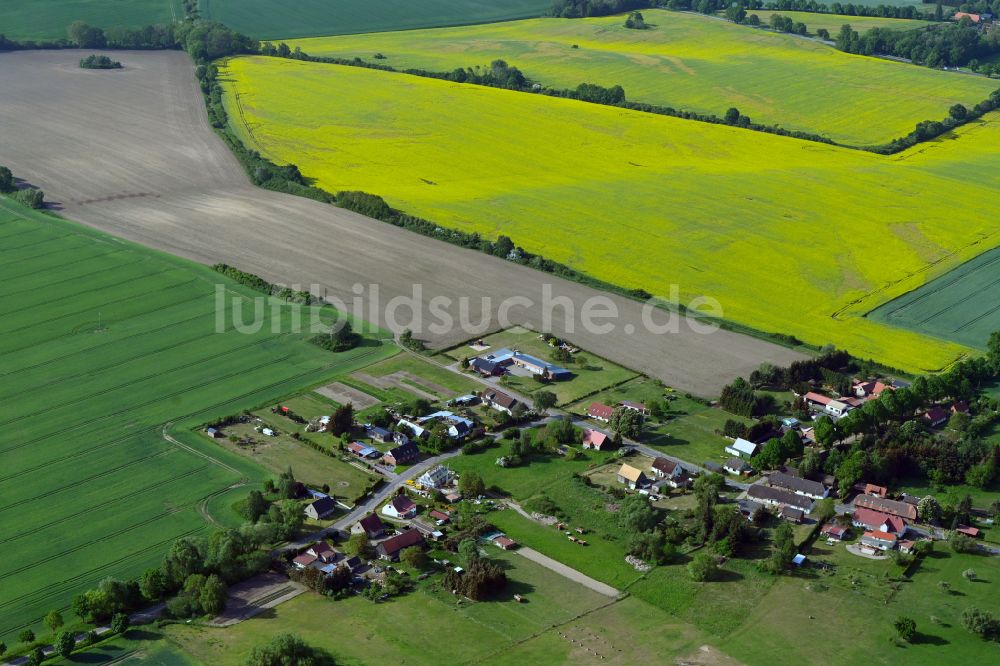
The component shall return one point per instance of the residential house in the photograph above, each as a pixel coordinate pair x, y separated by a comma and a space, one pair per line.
960, 407
437, 478
391, 547
400, 506
737, 466
811, 489
371, 525
935, 417
778, 497
632, 477
378, 434
742, 448
402, 454
500, 401
323, 552
958, 16
906, 545
597, 440
320, 508
869, 519
304, 560
870, 389
668, 470
879, 540
635, 406
892, 507
835, 532
600, 411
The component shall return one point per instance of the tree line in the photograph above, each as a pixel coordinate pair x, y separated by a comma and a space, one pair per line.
959, 44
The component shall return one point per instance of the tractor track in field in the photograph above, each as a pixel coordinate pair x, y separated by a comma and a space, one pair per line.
146, 130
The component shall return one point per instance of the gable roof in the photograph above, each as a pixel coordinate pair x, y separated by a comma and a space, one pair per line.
403, 504
880, 535
323, 505
600, 411
664, 465
818, 398
872, 489
594, 437
870, 517
744, 446
796, 484
630, 473
322, 550
893, 507
501, 398
371, 523
738, 464
304, 560
393, 545
404, 451
779, 496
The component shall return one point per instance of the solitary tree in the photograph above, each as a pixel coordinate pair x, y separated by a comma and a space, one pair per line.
53, 620
543, 400
732, 115
906, 628
26, 636
703, 568
471, 484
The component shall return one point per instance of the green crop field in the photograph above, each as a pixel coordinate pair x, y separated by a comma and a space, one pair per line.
832, 22
692, 62
788, 235
49, 19
962, 305
273, 19
105, 344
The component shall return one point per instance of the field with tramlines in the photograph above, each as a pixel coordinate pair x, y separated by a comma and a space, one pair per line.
789, 236
49, 19
694, 63
103, 344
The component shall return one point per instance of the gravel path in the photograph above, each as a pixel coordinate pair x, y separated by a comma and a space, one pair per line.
568, 572
131, 152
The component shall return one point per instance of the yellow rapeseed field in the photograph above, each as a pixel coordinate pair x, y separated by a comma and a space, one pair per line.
790, 236
693, 62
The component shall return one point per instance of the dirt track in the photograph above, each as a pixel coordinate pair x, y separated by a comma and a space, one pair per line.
130, 152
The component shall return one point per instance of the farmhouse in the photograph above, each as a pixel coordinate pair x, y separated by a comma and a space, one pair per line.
879, 540
600, 412
812, 489
539, 367
870, 389
597, 440
875, 520
321, 508
500, 401
778, 497
371, 525
402, 454
632, 477
390, 548
892, 507
401, 507
742, 448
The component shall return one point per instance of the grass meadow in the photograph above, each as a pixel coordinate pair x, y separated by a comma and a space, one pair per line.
696, 63
789, 236
271, 19
105, 344
49, 19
